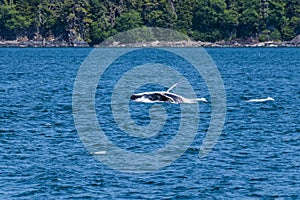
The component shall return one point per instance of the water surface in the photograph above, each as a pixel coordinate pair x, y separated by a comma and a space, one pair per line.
257, 155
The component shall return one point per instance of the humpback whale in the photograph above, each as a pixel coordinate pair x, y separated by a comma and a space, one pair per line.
164, 96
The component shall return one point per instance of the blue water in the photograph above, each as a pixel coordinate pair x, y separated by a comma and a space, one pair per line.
256, 156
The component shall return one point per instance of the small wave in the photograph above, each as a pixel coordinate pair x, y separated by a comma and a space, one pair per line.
99, 153
261, 100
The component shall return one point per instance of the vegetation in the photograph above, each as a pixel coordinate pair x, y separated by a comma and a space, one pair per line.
95, 20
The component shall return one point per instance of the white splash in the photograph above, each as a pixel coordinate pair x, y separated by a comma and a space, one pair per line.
261, 100
143, 100
99, 152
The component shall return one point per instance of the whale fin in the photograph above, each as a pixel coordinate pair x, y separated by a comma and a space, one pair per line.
173, 86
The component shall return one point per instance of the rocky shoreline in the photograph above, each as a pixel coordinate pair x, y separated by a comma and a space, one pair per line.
184, 43
221, 44
42, 43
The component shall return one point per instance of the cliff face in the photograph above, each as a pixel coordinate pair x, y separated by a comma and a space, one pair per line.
296, 40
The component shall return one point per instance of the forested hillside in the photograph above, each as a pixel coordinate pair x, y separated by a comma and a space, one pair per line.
95, 20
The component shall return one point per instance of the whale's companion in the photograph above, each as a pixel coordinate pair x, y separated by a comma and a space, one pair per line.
162, 96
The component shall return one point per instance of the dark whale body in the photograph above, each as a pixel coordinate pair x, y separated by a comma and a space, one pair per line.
158, 97
163, 96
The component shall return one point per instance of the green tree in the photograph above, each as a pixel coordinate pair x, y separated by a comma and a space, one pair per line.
159, 13
95, 20
100, 27
184, 12
276, 17
128, 21
209, 19
75, 18
13, 23
248, 21
46, 18
293, 15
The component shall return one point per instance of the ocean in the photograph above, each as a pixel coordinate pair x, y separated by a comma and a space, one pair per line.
47, 153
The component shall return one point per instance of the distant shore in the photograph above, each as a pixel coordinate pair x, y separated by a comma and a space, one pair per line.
204, 44
184, 43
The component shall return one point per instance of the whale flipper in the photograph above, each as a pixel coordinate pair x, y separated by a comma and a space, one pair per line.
173, 86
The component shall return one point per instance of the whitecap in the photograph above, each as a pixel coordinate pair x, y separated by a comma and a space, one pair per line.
261, 100
99, 152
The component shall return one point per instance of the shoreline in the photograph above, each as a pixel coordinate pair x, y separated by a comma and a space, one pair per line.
184, 43
220, 44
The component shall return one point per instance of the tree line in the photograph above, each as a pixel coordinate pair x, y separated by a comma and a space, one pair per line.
95, 20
